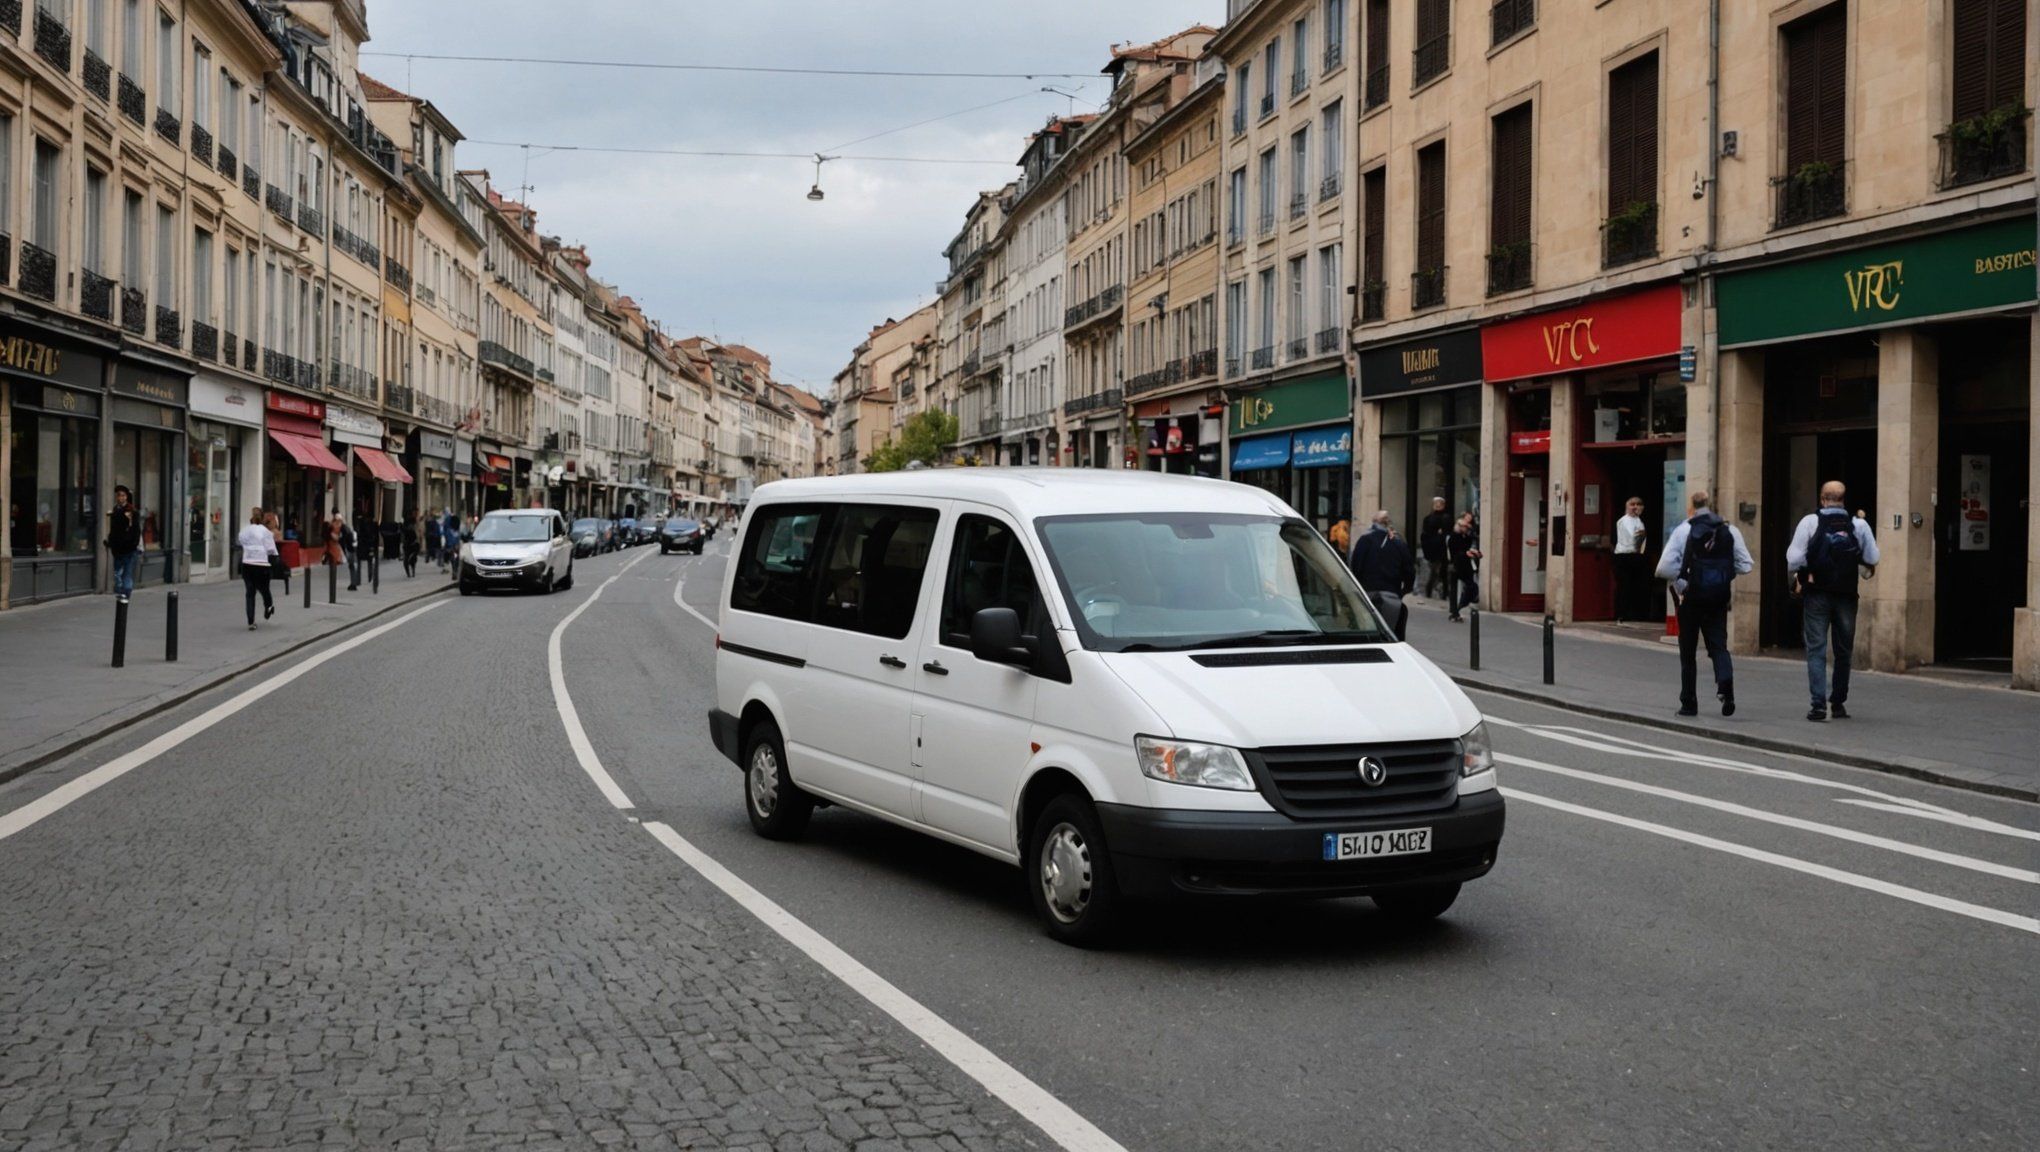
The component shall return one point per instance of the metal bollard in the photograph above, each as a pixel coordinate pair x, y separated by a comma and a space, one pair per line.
1473, 639
170, 631
375, 575
1550, 654
332, 583
120, 634
305, 578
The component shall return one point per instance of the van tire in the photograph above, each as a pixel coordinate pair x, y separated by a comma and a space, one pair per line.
1069, 874
778, 809
1416, 903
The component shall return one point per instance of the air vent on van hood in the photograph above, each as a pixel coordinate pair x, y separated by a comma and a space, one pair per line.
1278, 656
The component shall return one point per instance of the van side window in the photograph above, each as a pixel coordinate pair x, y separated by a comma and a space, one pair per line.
776, 568
871, 580
988, 569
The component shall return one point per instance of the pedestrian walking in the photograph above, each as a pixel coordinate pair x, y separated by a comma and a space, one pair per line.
124, 541
1632, 565
279, 570
411, 546
1462, 550
431, 539
449, 544
1702, 559
343, 546
1381, 561
1829, 550
259, 557
1431, 542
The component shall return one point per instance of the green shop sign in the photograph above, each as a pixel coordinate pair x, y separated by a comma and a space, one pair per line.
1311, 400
1971, 270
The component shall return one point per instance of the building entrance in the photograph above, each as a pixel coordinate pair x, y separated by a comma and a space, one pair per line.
1980, 516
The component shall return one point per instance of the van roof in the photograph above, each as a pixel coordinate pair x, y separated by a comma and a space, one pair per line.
1031, 492
520, 512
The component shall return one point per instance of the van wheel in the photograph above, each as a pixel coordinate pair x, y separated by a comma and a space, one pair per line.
1417, 903
1069, 873
779, 810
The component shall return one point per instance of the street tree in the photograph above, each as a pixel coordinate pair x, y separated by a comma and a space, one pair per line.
922, 438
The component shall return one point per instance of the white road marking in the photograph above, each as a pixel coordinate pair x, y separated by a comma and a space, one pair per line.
1058, 1120
57, 799
1898, 891
689, 608
1956, 818
1839, 833
570, 718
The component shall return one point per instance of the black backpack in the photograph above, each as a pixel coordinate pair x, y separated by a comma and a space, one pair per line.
1709, 565
1834, 553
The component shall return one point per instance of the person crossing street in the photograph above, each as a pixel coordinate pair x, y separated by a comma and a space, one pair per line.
1828, 550
1702, 559
124, 541
1382, 563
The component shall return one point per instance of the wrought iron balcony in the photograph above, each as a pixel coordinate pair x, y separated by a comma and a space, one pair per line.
205, 341
1629, 235
169, 127
201, 145
1508, 17
1335, 52
1267, 104
1329, 187
1427, 288
95, 295
1296, 349
247, 355
1263, 358
310, 219
132, 102
1431, 58
1328, 340
355, 246
1200, 364
490, 352
38, 272
279, 202
1239, 118
1298, 203
228, 164
1299, 81
399, 275
1232, 365
1373, 300
169, 327
1815, 191
1508, 267
97, 75
1267, 220
251, 182
230, 348
1986, 147
351, 380
10, 17
1235, 231
53, 41
1377, 87
134, 311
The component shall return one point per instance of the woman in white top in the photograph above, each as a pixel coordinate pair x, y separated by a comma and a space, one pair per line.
258, 551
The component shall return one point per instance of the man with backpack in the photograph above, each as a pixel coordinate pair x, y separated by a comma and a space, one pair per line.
1828, 548
1702, 559
1382, 563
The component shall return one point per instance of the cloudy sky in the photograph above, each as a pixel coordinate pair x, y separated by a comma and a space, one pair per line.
731, 247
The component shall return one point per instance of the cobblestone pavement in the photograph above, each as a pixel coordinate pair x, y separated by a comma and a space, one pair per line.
381, 909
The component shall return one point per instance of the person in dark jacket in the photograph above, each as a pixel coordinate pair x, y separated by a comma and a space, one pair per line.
1381, 561
1431, 542
1463, 549
411, 546
124, 541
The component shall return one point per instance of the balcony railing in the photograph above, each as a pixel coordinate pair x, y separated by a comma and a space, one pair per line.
230, 349
251, 182
1264, 358
52, 41
1159, 378
228, 164
97, 75
970, 364
1109, 398
1508, 17
10, 17
1377, 87
1297, 204
205, 341
95, 295
1427, 288
1235, 232
201, 145
132, 103
1335, 53
352, 380
1431, 58
310, 219
169, 327
1508, 267
354, 246
279, 202
134, 311
169, 127
1630, 235
1232, 365
38, 272
1329, 187
247, 355
490, 352
1298, 82
436, 410
1267, 104
396, 274
1815, 191
1239, 118
1986, 147
1296, 349
1097, 306
1328, 340
1267, 220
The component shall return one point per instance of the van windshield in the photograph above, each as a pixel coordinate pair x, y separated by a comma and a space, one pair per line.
1182, 580
513, 529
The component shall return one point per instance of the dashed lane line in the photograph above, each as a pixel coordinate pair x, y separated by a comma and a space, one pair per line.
57, 799
570, 717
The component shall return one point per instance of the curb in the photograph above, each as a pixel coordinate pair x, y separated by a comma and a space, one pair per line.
1762, 743
17, 771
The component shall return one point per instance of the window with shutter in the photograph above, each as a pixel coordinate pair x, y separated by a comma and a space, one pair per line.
1377, 53
1427, 281
1434, 40
1630, 232
1816, 117
1509, 202
1373, 236
1986, 137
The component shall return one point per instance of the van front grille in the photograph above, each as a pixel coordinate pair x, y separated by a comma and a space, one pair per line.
1324, 781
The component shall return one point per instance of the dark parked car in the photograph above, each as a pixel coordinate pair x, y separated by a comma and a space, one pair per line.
626, 532
647, 531
591, 537
680, 535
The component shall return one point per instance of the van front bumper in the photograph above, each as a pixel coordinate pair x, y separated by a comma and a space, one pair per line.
1158, 852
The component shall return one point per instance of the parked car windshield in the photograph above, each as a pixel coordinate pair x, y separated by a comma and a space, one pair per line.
584, 526
1181, 580
678, 527
513, 530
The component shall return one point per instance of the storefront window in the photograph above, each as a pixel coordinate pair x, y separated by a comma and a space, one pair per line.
1530, 410
54, 478
139, 455
1635, 406
1430, 446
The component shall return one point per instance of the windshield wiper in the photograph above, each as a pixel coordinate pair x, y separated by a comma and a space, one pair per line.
1272, 638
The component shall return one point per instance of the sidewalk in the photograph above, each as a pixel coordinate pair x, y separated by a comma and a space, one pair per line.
56, 658
1965, 735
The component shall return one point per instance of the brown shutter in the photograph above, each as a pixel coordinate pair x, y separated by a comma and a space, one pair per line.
1377, 35
1817, 88
1509, 208
1834, 84
1374, 226
2008, 54
1621, 140
1431, 208
1970, 63
1434, 18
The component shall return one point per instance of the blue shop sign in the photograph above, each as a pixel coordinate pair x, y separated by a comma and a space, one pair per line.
1323, 448
1260, 452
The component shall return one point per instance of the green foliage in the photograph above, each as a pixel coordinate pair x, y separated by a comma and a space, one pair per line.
922, 439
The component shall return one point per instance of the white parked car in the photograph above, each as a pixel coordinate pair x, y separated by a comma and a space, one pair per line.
1128, 684
517, 548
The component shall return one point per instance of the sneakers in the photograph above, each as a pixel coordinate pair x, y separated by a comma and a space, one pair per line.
268, 610
1689, 710
1817, 714
1455, 618
121, 599
1728, 703
251, 625
1840, 711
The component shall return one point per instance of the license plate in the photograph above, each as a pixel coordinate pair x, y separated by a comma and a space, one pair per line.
1369, 845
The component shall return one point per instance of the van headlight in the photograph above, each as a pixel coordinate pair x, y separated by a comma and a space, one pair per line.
1202, 765
1476, 754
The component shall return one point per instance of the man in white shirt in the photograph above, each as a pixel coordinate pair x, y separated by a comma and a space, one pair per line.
1828, 550
1632, 566
258, 552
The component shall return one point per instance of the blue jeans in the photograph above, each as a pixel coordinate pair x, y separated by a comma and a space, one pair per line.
1825, 612
124, 573
1710, 624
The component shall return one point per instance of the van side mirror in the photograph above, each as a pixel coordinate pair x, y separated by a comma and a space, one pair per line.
995, 637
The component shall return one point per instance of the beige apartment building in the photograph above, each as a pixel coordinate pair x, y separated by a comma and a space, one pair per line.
863, 395
502, 419
977, 270
1292, 90
1590, 273
1171, 316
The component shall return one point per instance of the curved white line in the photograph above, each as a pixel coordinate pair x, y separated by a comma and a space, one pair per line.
570, 718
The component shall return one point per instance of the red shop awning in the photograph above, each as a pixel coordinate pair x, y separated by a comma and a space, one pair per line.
307, 451
381, 466
499, 463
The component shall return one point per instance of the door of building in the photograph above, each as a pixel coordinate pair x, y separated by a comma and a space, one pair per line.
1795, 467
1980, 550
1528, 507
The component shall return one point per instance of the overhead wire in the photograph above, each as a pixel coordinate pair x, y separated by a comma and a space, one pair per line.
754, 68
809, 156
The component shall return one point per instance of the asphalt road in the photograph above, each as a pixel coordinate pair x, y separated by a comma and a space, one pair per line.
385, 904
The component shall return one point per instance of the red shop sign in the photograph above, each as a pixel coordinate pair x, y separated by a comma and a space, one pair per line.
1530, 442
1616, 330
296, 405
